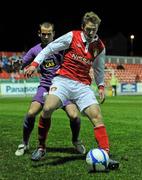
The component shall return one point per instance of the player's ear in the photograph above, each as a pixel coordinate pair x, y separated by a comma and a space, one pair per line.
53, 33
39, 34
82, 26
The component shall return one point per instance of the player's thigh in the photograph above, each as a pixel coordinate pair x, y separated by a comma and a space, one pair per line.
85, 98
72, 110
93, 112
52, 102
35, 108
60, 88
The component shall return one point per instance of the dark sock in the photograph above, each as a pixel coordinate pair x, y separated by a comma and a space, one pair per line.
27, 128
43, 128
75, 128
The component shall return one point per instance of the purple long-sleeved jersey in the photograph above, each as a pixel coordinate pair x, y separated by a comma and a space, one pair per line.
49, 66
47, 69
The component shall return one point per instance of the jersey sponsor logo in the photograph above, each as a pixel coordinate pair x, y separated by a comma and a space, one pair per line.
49, 63
80, 58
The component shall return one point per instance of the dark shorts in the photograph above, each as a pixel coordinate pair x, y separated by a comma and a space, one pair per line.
67, 102
41, 92
40, 96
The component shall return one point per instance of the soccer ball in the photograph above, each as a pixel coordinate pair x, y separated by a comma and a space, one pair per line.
97, 159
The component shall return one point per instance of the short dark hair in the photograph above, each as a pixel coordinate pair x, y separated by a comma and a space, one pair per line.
92, 17
46, 25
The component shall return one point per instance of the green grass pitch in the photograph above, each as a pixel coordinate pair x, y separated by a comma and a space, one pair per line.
123, 120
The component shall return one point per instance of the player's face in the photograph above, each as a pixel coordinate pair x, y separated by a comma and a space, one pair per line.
46, 35
90, 31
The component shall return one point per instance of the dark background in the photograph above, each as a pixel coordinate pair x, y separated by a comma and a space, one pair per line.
19, 23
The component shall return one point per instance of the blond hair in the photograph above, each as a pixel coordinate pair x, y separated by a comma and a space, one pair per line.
91, 17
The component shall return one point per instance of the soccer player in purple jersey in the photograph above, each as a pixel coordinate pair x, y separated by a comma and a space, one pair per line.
47, 69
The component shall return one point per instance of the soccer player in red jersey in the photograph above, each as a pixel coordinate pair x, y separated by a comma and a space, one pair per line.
83, 50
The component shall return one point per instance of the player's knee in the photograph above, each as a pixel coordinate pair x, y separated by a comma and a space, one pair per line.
97, 120
73, 115
47, 110
31, 113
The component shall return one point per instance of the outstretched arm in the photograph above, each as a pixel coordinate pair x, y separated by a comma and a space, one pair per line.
59, 44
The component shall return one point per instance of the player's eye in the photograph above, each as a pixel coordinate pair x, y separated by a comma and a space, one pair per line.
46, 34
90, 29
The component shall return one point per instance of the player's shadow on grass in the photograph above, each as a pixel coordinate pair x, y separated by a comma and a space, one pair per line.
69, 150
59, 160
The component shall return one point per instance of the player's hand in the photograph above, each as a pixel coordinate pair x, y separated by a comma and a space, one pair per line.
101, 94
17, 65
29, 71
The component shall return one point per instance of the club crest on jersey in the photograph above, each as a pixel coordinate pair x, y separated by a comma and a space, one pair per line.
79, 45
96, 52
53, 88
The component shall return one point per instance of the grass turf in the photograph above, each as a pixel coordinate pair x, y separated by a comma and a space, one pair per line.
123, 120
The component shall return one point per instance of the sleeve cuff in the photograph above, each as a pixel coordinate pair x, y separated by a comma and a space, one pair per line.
35, 64
101, 87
